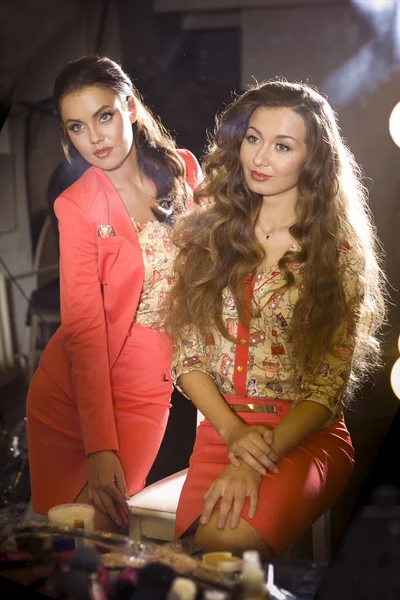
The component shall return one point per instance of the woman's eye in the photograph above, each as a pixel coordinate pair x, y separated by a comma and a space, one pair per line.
76, 128
105, 117
282, 148
252, 139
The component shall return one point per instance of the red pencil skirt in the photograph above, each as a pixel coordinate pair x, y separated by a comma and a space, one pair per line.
310, 479
57, 459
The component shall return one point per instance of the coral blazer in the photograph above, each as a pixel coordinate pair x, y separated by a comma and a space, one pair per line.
100, 285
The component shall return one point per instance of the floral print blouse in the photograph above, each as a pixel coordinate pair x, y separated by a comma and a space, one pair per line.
157, 250
272, 371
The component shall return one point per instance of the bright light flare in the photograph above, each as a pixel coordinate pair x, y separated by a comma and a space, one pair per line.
369, 6
394, 124
395, 374
395, 378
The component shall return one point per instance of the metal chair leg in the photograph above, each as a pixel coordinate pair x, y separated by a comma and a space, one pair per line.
321, 538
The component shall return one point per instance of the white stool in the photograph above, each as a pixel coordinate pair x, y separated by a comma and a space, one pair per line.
153, 512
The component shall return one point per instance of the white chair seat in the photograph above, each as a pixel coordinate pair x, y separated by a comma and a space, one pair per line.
161, 496
153, 510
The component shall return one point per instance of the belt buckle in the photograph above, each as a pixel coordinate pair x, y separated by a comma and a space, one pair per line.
273, 408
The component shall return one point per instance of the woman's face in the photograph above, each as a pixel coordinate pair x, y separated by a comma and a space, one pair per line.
99, 124
273, 150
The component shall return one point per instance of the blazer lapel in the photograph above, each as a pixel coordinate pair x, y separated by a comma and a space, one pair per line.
116, 214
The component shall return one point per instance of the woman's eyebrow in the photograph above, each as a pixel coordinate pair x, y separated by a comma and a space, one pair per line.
98, 111
279, 136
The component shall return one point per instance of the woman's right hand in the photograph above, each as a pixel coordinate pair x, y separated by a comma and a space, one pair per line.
252, 444
232, 487
106, 485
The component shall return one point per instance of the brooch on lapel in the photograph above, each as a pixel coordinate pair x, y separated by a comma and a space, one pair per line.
104, 231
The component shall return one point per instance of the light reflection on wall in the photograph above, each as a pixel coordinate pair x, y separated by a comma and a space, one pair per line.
376, 62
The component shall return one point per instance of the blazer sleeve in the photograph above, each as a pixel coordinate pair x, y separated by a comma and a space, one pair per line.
84, 326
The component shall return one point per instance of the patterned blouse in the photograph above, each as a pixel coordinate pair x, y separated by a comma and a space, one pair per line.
272, 371
157, 250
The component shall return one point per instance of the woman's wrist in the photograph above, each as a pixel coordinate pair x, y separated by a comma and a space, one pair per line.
202, 390
228, 427
101, 452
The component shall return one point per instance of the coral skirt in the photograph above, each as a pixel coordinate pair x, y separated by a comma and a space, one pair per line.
310, 479
141, 386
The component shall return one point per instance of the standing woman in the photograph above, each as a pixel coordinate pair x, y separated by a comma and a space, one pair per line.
274, 311
99, 401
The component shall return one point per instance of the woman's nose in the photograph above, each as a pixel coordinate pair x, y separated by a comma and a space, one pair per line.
261, 159
95, 136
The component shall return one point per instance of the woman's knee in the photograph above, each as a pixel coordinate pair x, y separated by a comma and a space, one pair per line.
238, 540
101, 521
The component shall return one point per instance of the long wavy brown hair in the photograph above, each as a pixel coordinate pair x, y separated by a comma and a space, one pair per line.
157, 155
218, 247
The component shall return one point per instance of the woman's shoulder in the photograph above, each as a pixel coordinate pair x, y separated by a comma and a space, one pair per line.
83, 191
187, 156
194, 174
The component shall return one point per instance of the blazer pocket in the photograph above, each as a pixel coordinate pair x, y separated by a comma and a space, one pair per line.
113, 240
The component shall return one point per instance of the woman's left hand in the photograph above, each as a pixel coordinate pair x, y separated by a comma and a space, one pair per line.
233, 485
252, 444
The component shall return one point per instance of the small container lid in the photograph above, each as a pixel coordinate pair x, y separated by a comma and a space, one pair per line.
222, 561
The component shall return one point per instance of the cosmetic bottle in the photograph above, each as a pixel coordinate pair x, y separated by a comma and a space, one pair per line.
96, 590
252, 583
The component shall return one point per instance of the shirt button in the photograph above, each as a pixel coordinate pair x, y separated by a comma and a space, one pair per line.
240, 368
243, 341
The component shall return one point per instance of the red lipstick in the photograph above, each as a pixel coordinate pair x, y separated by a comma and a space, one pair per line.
259, 176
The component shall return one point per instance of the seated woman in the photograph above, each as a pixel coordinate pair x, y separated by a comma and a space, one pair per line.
274, 311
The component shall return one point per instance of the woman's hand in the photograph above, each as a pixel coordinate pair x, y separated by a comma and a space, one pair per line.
252, 444
233, 485
106, 484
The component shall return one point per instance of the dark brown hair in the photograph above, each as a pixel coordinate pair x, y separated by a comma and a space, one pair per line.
218, 247
157, 155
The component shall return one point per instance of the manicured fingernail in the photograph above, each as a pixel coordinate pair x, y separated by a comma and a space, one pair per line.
203, 521
263, 471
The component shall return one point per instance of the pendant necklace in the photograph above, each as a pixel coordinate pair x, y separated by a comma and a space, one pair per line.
268, 234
